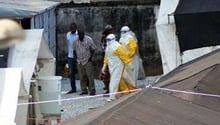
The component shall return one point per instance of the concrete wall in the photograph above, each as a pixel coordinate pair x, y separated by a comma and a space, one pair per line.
140, 18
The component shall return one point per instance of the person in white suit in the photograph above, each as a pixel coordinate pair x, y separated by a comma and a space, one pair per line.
129, 43
116, 59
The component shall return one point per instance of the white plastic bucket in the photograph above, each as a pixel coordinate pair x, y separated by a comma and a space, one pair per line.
49, 89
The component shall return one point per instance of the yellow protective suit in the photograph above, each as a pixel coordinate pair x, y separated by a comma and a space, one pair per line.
129, 43
116, 58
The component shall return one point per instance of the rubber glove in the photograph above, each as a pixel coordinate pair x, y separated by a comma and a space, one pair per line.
103, 68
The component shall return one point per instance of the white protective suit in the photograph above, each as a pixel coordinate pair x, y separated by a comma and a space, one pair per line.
129, 43
115, 58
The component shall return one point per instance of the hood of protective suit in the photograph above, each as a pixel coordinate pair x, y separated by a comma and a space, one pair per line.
110, 39
125, 31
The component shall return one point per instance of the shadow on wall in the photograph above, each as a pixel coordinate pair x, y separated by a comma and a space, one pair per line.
140, 18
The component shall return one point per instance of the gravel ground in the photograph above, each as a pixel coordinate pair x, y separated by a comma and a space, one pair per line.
81, 104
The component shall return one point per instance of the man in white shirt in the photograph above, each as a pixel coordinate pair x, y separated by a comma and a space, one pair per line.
71, 36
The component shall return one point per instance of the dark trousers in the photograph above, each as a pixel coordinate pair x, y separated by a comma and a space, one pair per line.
72, 68
86, 71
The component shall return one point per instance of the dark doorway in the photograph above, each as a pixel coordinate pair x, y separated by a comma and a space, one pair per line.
26, 23
3, 58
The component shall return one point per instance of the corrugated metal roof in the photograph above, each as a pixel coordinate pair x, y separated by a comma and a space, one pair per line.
24, 8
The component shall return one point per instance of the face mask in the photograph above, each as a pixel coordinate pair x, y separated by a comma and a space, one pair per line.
108, 41
123, 35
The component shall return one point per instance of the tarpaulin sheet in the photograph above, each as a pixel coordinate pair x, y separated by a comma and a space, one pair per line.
197, 23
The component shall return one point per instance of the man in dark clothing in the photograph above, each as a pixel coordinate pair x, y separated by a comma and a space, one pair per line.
84, 49
105, 77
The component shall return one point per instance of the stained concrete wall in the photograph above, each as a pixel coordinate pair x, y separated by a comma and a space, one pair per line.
140, 18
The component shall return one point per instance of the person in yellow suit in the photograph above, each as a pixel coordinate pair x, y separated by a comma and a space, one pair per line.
116, 59
129, 43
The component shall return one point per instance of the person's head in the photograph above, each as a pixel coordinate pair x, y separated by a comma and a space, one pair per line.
110, 38
81, 34
124, 31
108, 26
73, 28
108, 29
